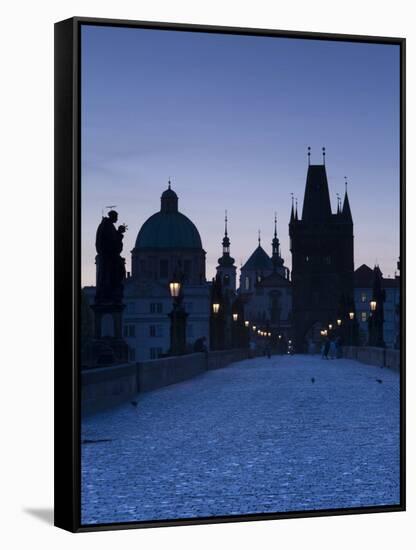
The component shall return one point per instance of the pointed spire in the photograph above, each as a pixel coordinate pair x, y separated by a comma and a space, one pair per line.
169, 183
323, 156
276, 259
275, 224
309, 156
346, 209
338, 204
259, 238
292, 212
296, 211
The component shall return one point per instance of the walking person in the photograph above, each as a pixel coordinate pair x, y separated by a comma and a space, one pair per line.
325, 348
332, 349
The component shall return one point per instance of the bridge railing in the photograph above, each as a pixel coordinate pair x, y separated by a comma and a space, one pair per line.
110, 386
381, 357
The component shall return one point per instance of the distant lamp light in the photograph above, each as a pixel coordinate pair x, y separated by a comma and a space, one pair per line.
254, 328
215, 307
290, 341
280, 336
269, 334
235, 316
330, 327
352, 315
339, 322
259, 332
247, 323
373, 305
175, 288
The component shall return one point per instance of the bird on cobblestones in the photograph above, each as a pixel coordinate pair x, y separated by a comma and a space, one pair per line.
134, 403
379, 381
313, 380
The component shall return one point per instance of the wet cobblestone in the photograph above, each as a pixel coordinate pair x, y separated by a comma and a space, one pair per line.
257, 436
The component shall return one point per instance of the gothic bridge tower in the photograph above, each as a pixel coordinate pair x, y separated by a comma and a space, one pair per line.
322, 248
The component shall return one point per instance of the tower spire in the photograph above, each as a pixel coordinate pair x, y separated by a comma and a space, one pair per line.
292, 212
226, 220
309, 156
323, 155
296, 211
259, 238
346, 209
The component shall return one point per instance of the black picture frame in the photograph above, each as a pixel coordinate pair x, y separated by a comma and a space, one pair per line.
68, 280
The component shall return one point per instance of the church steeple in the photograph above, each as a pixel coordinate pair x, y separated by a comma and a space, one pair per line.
226, 270
226, 260
276, 258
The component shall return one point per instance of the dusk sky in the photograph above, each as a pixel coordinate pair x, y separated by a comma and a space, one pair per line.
229, 118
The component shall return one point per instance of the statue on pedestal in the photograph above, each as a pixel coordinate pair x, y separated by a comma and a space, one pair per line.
111, 270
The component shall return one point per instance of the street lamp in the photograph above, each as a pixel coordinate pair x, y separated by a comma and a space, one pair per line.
254, 328
178, 317
215, 308
373, 305
339, 322
352, 315
246, 323
330, 326
269, 334
235, 316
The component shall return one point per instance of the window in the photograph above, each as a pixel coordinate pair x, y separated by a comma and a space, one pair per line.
363, 297
363, 316
129, 331
155, 353
164, 269
226, 280
156, 307
307, 258
156, 331
327, 260
131, 307
247, 283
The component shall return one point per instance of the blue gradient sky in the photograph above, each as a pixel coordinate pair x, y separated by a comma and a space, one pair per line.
229, 119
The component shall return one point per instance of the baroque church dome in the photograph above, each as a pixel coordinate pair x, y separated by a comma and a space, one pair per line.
169, 228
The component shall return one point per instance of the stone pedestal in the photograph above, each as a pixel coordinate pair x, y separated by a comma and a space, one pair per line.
108, 346
178, 330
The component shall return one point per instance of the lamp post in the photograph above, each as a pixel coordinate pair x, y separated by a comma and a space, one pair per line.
351, 315
178, 317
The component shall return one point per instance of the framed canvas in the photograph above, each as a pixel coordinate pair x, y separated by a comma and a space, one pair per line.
230, 274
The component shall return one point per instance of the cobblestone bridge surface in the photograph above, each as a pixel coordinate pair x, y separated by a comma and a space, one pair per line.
257, 436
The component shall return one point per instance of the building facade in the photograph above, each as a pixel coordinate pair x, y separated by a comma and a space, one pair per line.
363, 295
168, 246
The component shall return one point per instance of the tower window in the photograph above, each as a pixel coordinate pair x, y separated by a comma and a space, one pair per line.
363, 316
363, 297
226, 280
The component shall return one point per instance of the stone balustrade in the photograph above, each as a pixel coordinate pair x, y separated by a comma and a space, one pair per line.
381, 357
109, 386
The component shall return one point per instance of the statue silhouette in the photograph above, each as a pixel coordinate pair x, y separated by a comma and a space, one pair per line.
111, 270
